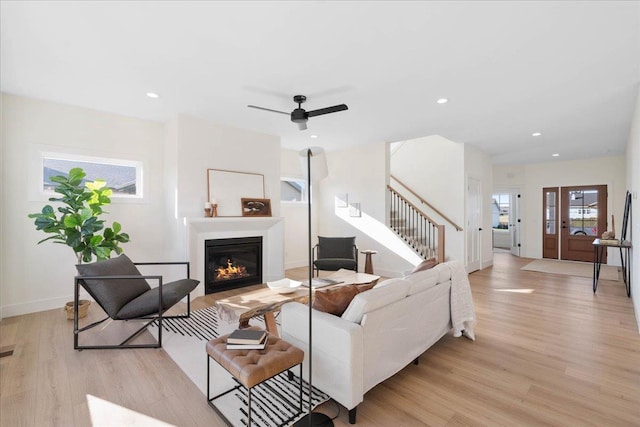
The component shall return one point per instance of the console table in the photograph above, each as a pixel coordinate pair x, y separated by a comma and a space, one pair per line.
599, 246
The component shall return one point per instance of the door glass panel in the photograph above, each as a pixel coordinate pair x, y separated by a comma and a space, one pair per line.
583, 212
550, 214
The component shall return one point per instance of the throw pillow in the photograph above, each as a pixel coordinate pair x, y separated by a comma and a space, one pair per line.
425, 265
336, 300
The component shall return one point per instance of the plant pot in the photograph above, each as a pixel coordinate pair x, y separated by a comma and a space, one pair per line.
82, 309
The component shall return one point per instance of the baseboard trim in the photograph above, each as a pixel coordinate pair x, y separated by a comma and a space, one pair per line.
12, 310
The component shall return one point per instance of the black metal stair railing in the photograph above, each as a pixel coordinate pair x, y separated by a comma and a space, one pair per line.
420, 232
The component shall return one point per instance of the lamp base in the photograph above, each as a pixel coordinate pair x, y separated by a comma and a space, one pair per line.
317, 419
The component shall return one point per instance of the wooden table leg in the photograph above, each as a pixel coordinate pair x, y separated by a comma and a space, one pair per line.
270, 321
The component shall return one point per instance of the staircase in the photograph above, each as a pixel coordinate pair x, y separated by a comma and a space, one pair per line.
419, 231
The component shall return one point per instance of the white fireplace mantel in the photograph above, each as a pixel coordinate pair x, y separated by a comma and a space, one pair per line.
270, 228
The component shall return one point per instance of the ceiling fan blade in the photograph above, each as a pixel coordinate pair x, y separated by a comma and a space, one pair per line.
302, 125
327, 110
267, 109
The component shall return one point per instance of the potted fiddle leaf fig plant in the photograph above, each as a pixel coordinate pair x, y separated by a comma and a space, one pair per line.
77, 222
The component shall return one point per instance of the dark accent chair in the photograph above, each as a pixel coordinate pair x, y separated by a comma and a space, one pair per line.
124, 294
334, 253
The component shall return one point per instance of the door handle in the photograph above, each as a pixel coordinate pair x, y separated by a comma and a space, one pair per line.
479, 229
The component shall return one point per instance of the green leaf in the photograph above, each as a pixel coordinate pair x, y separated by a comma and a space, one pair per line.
95, 240
102, 252
72, 221
116, 227
75, 176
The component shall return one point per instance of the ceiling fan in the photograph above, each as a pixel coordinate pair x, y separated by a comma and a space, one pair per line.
301, 116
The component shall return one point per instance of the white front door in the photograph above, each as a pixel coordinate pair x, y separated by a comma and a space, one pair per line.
474, 224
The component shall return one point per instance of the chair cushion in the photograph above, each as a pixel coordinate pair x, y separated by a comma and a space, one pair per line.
334, 264
147, 303
336, 247
113, 294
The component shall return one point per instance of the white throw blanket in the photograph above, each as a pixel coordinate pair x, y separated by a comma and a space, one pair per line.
463, 313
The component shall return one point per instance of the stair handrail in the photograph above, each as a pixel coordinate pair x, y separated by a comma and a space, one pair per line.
420, 211
449, 220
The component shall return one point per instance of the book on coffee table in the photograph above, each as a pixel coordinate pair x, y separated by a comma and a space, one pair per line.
246, 337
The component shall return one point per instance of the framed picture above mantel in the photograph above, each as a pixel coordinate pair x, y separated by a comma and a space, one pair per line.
227, 189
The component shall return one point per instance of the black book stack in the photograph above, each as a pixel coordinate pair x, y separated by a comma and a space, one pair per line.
247, 339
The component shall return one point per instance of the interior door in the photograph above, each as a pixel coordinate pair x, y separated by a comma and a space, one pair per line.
514, 223
550, 233
474, 223
584, 218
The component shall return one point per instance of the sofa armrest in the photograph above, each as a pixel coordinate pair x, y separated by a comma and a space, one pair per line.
337, 351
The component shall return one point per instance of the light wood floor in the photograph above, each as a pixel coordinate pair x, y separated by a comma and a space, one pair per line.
548, 352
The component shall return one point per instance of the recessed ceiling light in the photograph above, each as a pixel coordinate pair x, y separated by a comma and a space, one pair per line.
314, 136
442, 101
536, 134
153, 95
555, 154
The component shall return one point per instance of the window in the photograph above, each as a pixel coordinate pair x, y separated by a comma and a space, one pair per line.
293, 190
124, 177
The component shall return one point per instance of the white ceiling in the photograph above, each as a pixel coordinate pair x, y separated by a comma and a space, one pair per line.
567, 69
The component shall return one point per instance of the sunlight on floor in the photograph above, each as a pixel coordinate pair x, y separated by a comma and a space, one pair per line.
104, 413
516, 291
378, 232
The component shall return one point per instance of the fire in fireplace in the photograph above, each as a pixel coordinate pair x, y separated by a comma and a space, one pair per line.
232, 263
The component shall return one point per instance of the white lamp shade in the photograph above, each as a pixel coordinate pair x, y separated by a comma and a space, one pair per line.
319, 169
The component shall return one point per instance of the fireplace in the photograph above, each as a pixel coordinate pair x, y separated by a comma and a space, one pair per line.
232, 263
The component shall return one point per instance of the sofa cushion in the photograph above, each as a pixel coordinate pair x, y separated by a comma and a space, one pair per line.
388, 282
373, 299
425, 265
444, 271
334, 301
423, 280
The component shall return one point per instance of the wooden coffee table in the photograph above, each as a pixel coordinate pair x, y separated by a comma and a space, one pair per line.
265, 302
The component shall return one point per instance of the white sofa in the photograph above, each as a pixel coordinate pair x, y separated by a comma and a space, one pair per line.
383, 330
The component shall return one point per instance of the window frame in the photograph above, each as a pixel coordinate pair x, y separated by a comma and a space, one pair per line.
305, 192
71, 157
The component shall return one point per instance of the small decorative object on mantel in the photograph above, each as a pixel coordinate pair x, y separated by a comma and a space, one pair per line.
208, 210
214, 207
256, 207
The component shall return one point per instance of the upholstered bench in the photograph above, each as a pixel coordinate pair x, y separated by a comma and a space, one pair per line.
252, 367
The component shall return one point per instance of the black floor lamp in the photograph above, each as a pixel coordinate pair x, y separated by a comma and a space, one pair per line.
312, 156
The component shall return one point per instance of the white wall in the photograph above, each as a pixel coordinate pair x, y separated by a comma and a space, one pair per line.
193, 145
39, 277
296, 252
362, 173
633, 185
531, 179
433, 167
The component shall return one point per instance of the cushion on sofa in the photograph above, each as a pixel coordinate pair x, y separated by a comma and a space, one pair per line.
373, 299
388, 282
425, 265
334, 301
444, 272
423, 280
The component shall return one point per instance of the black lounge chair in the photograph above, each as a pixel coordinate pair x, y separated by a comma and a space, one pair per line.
334, 253
124, 294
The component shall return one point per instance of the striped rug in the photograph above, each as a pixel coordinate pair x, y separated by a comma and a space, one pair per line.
272, 403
